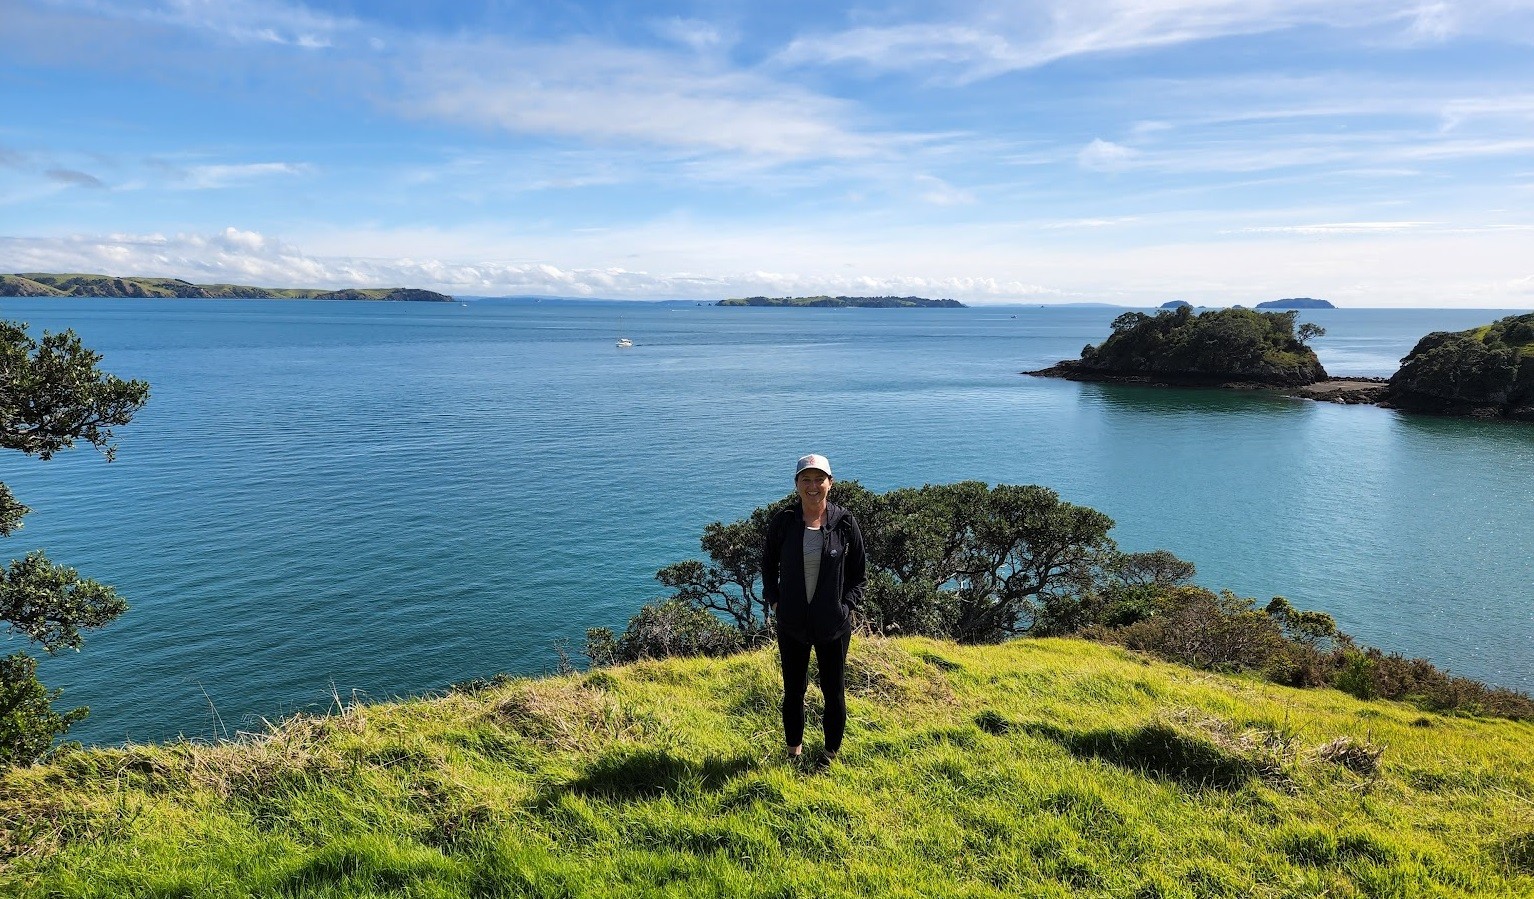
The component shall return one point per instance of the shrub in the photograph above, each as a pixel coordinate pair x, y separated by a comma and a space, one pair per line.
662, 630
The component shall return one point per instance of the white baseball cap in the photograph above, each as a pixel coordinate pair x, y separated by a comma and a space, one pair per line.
816, 461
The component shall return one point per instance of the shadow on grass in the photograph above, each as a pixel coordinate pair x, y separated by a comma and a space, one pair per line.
370, 863
1156, 750
645, 773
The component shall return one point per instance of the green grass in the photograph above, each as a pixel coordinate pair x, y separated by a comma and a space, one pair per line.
1038, 768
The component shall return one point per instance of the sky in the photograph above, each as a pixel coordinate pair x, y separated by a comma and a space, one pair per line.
1035, 151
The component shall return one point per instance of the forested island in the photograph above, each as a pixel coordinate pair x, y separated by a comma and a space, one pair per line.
41, 284
1220, 347
838, 302
1485, 372
1296, 303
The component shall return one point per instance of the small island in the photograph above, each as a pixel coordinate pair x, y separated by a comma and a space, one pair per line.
1176, 304
1485, 372
1296, 303
39, 284
1217, 348
843, 302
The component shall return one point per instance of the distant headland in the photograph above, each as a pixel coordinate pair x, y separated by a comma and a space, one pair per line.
39, 284
837, 302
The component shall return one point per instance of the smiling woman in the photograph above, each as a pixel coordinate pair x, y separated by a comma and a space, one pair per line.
813, 574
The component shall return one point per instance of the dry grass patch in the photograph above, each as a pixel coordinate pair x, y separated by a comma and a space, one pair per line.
564, 714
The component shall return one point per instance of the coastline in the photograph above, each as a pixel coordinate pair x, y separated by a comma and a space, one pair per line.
1346, 391
1354, 391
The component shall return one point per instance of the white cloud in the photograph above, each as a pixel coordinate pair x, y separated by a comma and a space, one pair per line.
208, 177
700, 36
940, 193
240, 21
608, 93
1435, 21
1105, 156
1337, 228
983, 39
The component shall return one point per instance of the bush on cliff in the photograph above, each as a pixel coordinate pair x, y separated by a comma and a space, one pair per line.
966, 561
1233, 344
1490, 368
980, 564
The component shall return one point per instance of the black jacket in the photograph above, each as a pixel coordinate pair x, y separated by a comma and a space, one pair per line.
839, 590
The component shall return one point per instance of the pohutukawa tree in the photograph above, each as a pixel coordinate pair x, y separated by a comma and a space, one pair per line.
51, 396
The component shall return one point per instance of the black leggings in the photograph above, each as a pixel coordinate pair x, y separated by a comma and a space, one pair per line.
831, 657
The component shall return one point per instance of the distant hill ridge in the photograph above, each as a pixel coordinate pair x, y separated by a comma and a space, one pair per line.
1291, 303
870, 302
40, 284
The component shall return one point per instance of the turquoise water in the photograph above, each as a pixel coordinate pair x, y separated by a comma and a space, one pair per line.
382, 499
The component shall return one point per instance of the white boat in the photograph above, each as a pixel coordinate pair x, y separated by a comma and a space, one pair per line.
624, 342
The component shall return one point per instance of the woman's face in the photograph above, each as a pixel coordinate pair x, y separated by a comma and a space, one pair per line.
812, 486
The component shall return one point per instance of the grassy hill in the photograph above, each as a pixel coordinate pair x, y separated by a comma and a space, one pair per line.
41, 284
1038, 767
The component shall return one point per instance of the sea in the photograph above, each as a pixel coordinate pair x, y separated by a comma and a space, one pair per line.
331, 502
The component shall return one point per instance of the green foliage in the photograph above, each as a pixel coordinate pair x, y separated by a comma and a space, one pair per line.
51, 396
966, 561
28, 723
982, 564
1240, 344
1370, 673
48, 604
1491, 366
674, 627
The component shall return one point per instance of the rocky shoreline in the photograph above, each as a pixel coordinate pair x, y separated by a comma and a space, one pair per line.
1347, 391
1360, 391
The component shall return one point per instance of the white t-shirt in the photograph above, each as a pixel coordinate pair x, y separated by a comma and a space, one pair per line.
814, 542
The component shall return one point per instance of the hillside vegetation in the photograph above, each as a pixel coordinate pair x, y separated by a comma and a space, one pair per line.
1213, 347
1036, 767
37, 284
1487, 371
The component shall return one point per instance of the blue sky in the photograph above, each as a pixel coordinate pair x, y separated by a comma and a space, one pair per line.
1220, 151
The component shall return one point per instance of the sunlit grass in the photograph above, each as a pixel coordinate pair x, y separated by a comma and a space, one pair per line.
1040, 767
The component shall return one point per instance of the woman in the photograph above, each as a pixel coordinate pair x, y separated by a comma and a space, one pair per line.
812, 579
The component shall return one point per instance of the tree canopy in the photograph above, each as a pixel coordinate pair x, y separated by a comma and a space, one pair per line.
967, 561
1222, 344
52, 395
1490, 367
